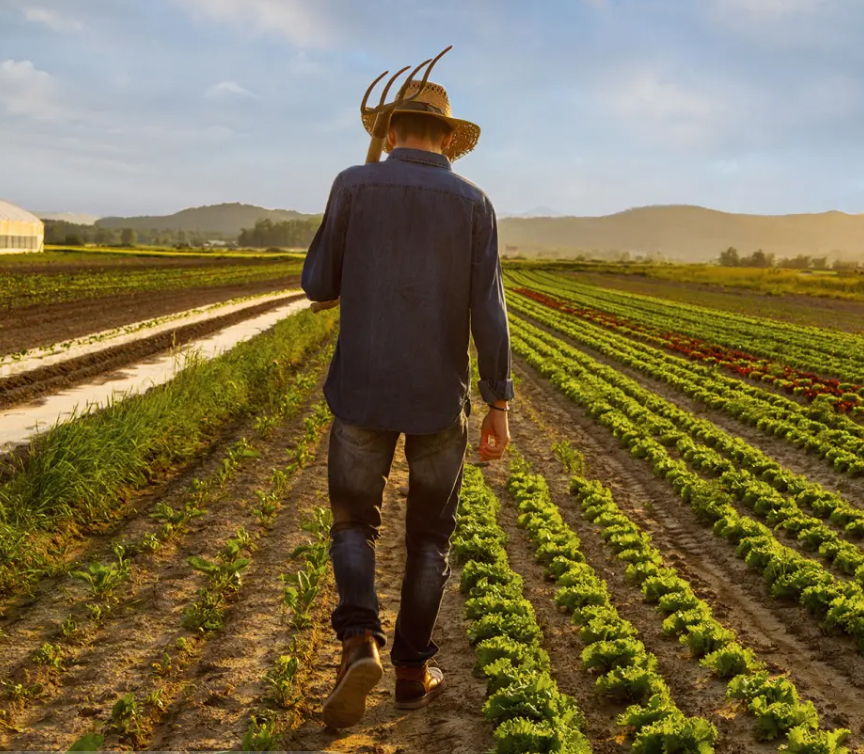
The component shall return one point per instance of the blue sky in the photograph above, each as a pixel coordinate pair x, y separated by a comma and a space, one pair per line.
587, 106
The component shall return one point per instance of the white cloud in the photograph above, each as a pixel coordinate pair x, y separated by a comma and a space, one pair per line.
227, 89
767, 9
29, 92
646, 95
654, 107
52, 19
300, 22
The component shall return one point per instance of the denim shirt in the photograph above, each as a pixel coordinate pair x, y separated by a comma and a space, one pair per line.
411, 249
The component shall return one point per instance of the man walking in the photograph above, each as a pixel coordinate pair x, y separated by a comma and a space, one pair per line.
409, 250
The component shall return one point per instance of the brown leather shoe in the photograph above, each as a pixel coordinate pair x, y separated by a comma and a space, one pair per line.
359, 673
416, 687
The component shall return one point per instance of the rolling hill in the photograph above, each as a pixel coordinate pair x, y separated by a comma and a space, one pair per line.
224, 219
679, 232
690, 233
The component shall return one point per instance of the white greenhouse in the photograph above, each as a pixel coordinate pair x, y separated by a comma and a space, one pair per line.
19, 230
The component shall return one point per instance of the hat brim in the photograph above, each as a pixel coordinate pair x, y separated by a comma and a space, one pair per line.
465, 133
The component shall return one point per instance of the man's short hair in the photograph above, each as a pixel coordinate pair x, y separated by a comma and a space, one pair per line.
419, 126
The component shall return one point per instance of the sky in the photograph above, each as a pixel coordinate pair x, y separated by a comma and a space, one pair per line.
587, 107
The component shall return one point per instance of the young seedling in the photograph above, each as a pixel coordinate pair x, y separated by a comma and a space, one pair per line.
570, 458
261, 735
268, 506
21, 692
164, 666
104, 579
280, 681
124, 715
69, 628
49, 656
154, 699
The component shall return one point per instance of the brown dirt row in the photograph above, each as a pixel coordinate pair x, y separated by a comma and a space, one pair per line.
826, 668
44, 381
453, 723
45, 324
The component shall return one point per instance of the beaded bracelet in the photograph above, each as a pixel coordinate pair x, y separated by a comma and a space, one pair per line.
497, 408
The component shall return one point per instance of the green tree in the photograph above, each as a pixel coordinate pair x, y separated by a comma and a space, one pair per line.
128, 236
730, 258
801, 262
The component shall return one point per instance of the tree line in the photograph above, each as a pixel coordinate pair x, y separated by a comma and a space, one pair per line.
296, 234
62, 233
732, 258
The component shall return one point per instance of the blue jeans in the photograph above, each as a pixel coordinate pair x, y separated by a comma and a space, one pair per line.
359, 464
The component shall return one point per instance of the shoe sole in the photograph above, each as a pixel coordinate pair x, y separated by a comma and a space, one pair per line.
422, 701
347, 704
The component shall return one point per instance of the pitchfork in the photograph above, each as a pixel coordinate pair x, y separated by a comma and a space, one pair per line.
384, 110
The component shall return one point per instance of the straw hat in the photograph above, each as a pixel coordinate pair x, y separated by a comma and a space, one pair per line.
433, 102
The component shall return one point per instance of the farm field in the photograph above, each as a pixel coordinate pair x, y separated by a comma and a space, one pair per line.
669, 559
796, 308
64, 296
847, 285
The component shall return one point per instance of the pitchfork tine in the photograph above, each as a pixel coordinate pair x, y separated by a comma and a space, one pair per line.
369, 91
404, 87
389, 84
422, 86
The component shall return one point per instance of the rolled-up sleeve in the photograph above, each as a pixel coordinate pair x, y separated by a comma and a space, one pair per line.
489, 309
322, 270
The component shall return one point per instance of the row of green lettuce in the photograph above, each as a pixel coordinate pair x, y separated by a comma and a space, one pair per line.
530, 714
788, 574
628, 673
816, 428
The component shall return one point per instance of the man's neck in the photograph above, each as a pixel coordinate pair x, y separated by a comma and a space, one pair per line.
421, 144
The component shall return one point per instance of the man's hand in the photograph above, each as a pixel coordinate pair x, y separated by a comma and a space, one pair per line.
320, 306
494, 433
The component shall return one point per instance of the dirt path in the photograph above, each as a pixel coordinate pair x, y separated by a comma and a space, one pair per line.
453, 723
826, 669
44, 324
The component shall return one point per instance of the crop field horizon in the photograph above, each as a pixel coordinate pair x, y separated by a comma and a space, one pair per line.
670, 558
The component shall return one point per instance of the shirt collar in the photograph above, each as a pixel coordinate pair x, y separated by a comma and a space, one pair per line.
420, 156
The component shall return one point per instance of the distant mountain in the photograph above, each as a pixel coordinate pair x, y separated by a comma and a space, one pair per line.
68, 217
689, 233
537, 212
225, 219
